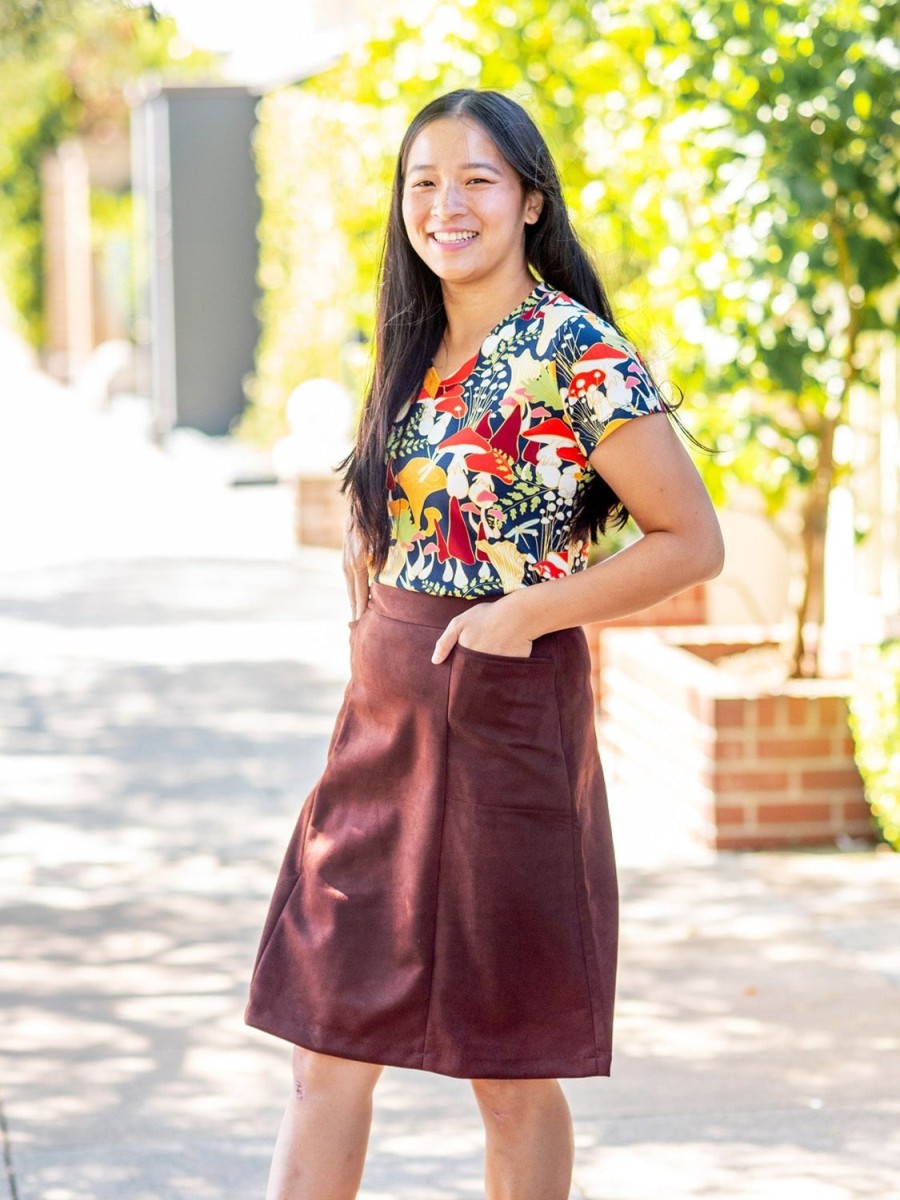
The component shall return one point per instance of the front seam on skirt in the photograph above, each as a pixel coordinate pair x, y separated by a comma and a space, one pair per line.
437, 888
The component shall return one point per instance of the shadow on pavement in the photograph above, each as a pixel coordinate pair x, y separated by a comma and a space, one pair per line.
163, 720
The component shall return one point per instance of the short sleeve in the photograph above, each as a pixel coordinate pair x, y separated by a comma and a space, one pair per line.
603, 382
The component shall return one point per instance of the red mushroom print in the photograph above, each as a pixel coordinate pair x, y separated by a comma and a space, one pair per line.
506, 439
482, 534
458, 543
583, 381
553, 430
442, 551
588, 373
484, 426
602, 350
573, 454
554, 566
550, 437
453, 403
462, 444
531, 451
492, 463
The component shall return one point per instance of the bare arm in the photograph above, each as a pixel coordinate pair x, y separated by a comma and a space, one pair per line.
648, 468
355, 572
650, 471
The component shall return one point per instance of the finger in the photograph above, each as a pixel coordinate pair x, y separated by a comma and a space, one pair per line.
443, 646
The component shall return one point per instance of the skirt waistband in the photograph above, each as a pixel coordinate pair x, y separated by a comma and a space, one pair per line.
420, 608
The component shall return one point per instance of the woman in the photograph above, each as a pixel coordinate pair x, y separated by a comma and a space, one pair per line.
448, 901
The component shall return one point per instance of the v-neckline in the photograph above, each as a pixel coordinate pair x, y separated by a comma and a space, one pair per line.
465, 370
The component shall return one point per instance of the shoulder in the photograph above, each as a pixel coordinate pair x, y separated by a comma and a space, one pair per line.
571, 332
601, 377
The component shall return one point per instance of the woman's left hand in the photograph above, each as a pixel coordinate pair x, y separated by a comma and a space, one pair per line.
485, 627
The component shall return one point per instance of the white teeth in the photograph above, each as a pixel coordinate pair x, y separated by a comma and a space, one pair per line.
454, 237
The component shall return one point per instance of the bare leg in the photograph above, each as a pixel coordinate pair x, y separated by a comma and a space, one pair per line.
320, 1152
530, 1143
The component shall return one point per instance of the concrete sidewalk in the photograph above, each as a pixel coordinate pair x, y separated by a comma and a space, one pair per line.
170, 667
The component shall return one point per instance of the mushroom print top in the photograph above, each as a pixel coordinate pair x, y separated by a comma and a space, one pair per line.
485, 466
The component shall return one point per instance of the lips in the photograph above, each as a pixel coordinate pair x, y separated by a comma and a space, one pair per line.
453, 237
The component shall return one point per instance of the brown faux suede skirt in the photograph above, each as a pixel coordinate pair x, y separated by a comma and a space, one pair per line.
448, 899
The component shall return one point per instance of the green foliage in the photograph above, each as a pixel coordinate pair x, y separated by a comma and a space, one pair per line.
316, 266
326, 151
876, 733
733, 165
64, 68
716, 156
791, 111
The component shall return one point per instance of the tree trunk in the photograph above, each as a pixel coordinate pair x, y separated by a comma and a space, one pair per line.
805, 658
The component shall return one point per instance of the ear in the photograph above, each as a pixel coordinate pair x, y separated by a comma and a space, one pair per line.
534, 204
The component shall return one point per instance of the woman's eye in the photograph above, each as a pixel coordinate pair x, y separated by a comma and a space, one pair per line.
479, 181
422, 183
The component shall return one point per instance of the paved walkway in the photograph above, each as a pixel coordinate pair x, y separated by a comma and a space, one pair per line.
170, 666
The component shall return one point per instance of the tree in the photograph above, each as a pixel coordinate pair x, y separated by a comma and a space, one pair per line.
792, 110
326, 151
733, 165
64, 66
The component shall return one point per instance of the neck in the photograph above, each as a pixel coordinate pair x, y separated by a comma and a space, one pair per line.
473, 310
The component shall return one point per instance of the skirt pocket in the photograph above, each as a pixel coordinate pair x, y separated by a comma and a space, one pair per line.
504, 744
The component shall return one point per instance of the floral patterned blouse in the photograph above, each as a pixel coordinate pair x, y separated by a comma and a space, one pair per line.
485, 466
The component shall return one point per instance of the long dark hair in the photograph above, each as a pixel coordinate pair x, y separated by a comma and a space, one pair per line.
410, 318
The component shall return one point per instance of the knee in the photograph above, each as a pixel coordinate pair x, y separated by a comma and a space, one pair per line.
316, 1074
511, 1101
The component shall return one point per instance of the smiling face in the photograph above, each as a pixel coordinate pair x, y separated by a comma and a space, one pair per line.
464, 207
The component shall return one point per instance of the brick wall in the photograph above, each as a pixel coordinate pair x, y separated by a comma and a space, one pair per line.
743, 767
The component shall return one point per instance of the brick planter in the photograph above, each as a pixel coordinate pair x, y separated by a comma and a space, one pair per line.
320, 511
741, 765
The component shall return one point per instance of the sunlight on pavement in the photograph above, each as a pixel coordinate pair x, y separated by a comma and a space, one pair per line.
172, 666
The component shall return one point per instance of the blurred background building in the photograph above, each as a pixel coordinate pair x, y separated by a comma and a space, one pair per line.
202, 257
166, 307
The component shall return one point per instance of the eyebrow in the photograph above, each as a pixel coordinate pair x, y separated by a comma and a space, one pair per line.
470, 166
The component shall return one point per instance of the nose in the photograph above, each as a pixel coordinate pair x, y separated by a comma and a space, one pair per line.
447, 200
